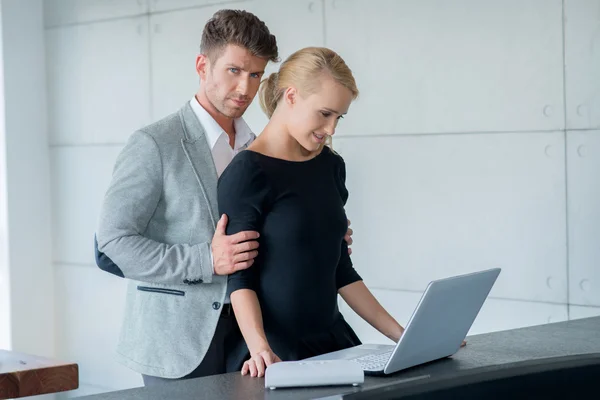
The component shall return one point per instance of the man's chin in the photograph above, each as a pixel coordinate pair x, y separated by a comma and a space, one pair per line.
233, 112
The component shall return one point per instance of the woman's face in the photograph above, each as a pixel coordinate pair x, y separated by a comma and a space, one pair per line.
315, 117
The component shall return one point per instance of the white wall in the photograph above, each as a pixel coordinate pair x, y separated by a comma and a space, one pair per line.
474, 144
5, 312
25, 270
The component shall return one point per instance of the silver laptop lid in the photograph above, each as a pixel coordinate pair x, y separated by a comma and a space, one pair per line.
442, 319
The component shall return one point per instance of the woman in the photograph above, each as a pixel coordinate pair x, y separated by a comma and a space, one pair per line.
290, 187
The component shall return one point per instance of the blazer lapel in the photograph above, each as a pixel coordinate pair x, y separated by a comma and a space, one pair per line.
197, 151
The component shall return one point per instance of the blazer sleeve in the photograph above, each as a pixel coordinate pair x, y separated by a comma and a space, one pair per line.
243, 195
128, 206
104, 262
345, 272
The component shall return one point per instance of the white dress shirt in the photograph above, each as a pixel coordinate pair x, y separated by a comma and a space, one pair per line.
218, 140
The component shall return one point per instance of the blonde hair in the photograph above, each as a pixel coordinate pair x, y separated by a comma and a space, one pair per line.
302, 70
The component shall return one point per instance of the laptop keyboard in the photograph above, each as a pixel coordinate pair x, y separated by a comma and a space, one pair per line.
374, 362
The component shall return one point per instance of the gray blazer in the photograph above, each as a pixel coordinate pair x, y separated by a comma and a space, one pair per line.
156, 223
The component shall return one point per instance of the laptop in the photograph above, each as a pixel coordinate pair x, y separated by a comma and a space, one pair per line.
435, 330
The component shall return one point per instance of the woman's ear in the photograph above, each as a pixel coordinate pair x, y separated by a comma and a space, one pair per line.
290, 95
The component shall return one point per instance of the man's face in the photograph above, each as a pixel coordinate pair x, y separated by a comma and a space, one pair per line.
230, 80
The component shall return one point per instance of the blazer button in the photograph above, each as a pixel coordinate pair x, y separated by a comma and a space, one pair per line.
186, 281
216, 305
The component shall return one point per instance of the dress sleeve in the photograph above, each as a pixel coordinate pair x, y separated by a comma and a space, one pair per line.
243, 196
345, 273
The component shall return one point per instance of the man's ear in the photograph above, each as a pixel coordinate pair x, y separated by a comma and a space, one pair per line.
202, 65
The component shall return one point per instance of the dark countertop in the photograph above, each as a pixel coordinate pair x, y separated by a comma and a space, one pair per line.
492, 350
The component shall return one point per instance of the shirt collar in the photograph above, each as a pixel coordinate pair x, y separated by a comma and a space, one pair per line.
243, 134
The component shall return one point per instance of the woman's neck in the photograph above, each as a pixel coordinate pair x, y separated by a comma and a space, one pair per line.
276, 141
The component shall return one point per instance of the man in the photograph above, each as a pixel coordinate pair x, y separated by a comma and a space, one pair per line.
159, 225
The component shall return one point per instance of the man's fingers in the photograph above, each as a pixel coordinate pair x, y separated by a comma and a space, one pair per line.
349, 251
348, 221
350, 232
243, 265
249, 255
244, 247
221, 225
348, 240
244, 236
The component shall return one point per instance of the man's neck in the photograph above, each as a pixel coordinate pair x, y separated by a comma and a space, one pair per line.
224, 122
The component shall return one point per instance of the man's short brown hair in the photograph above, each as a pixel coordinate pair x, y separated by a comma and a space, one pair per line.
239, 28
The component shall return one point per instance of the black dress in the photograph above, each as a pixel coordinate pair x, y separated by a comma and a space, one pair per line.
298, 209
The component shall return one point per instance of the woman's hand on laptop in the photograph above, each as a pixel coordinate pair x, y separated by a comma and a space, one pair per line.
259, 362
463, 344
362, 302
